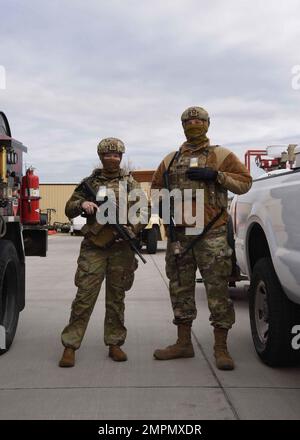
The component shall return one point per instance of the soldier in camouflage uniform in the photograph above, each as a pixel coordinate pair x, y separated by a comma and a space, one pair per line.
102, 255
217, 170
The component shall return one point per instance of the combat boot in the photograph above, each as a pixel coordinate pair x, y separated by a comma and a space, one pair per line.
117, 354
183, 347
68, 358
223, 359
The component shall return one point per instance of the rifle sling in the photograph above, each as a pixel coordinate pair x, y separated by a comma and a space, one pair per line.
200, 236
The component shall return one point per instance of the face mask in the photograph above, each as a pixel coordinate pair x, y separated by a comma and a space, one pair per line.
195, 133
111, 164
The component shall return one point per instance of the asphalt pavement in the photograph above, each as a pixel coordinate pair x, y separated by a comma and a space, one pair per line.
32, 386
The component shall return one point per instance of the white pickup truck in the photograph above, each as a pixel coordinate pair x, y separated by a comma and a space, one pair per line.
266, 223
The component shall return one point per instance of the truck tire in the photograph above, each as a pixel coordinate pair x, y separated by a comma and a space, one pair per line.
235, 271
230, 233
272, 317
10, 289
152, 238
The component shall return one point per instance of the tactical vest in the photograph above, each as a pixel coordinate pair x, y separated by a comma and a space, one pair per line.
104, 235
97, 180
214, 194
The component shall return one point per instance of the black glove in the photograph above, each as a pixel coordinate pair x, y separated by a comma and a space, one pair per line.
202, 174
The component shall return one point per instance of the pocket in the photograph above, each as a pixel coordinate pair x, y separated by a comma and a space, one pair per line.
135, 264
121, 277
214, 251
81, 272
225, 252
128, 276
128, 279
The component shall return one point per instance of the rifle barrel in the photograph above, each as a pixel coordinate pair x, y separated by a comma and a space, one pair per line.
120, 228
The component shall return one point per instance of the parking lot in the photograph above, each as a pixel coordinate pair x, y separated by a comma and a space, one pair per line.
32, 386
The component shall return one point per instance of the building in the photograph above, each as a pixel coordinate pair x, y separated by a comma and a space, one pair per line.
55, 195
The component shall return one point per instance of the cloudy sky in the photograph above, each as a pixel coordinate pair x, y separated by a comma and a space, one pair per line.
78, 71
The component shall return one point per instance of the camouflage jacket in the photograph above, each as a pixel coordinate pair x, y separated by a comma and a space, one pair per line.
232, 176
96, 179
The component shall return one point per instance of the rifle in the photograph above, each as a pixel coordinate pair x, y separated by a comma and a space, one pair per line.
121, 230
176, 247
205, 230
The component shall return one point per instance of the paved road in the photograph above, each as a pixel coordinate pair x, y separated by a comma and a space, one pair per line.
32, 386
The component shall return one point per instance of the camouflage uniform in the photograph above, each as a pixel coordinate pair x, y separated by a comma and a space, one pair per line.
117, 264
212, 254
100, 257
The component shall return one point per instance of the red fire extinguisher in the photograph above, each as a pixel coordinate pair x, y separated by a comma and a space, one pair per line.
30, 198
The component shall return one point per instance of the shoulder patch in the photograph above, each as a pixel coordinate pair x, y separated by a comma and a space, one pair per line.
95, 173
168, 158
79, 186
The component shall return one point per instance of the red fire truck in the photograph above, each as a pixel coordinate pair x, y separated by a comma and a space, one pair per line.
21, 233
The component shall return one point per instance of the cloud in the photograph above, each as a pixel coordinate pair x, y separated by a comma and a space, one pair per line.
80, 71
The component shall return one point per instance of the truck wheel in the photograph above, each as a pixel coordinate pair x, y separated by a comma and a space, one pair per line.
235, 271
10, 288
152, 237
230, 233
272, 317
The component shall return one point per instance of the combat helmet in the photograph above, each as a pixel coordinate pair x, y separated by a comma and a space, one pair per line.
195, 113
110, 145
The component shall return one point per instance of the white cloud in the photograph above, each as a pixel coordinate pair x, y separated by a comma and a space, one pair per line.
79, 71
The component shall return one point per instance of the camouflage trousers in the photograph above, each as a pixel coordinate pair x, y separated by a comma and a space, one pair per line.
117, 264
212, 255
